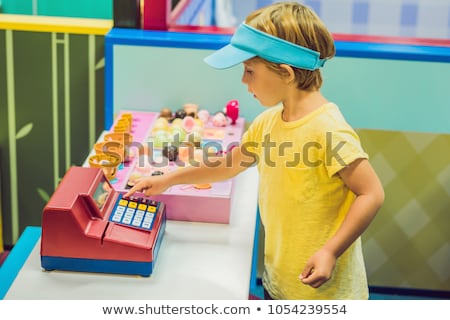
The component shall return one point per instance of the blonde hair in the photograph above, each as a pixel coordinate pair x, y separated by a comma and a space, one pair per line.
298, 24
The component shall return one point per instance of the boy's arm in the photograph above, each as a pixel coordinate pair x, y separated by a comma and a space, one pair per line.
213, 170
359, 177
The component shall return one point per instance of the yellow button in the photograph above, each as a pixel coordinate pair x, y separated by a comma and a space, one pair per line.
132, 204
142, 206
123, 202
151, 209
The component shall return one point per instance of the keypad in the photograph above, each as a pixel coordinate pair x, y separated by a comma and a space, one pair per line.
135, 212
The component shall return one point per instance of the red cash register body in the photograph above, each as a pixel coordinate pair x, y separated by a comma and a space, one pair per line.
78, 234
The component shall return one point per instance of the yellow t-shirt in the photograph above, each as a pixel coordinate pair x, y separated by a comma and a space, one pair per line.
303, 201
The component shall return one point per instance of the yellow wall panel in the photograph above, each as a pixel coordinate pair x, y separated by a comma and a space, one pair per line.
408, 243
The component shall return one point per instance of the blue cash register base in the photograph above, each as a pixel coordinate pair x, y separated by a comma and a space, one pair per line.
88, 226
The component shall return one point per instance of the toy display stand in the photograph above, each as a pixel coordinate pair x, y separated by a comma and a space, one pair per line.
210, 203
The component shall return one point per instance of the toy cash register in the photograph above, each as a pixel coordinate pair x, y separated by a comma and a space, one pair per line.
88, 226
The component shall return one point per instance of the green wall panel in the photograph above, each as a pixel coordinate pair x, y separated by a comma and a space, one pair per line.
3, 136
407, 244
33, 116
51, 113
85, 83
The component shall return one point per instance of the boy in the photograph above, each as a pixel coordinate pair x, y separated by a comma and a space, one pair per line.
318, 191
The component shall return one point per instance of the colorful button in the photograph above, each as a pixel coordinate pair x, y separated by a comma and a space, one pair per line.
132, 204
153, 203
120, 209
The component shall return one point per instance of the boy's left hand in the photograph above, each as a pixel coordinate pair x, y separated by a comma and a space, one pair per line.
318, 269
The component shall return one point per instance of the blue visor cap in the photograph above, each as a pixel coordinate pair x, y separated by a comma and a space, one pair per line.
248, 42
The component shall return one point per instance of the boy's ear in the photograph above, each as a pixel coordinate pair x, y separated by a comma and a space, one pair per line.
288, 72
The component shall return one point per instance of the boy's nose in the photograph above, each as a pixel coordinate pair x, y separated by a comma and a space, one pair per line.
243, 79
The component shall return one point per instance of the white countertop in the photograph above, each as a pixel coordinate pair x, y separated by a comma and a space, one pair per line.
196, 261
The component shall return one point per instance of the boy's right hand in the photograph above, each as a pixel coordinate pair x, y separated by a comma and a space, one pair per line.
149, 186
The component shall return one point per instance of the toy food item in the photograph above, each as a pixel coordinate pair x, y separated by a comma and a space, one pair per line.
203, 186
134, 177
160, 138
170, 152
178, 134
124, 122
203, 115
128, 116
219, 120
232, 110
199, 122
191, 109
177, 122
165, 113
122, 125
111, 147
180, 114
188, 123
107, 162
123, 137
160, 124
121, 128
